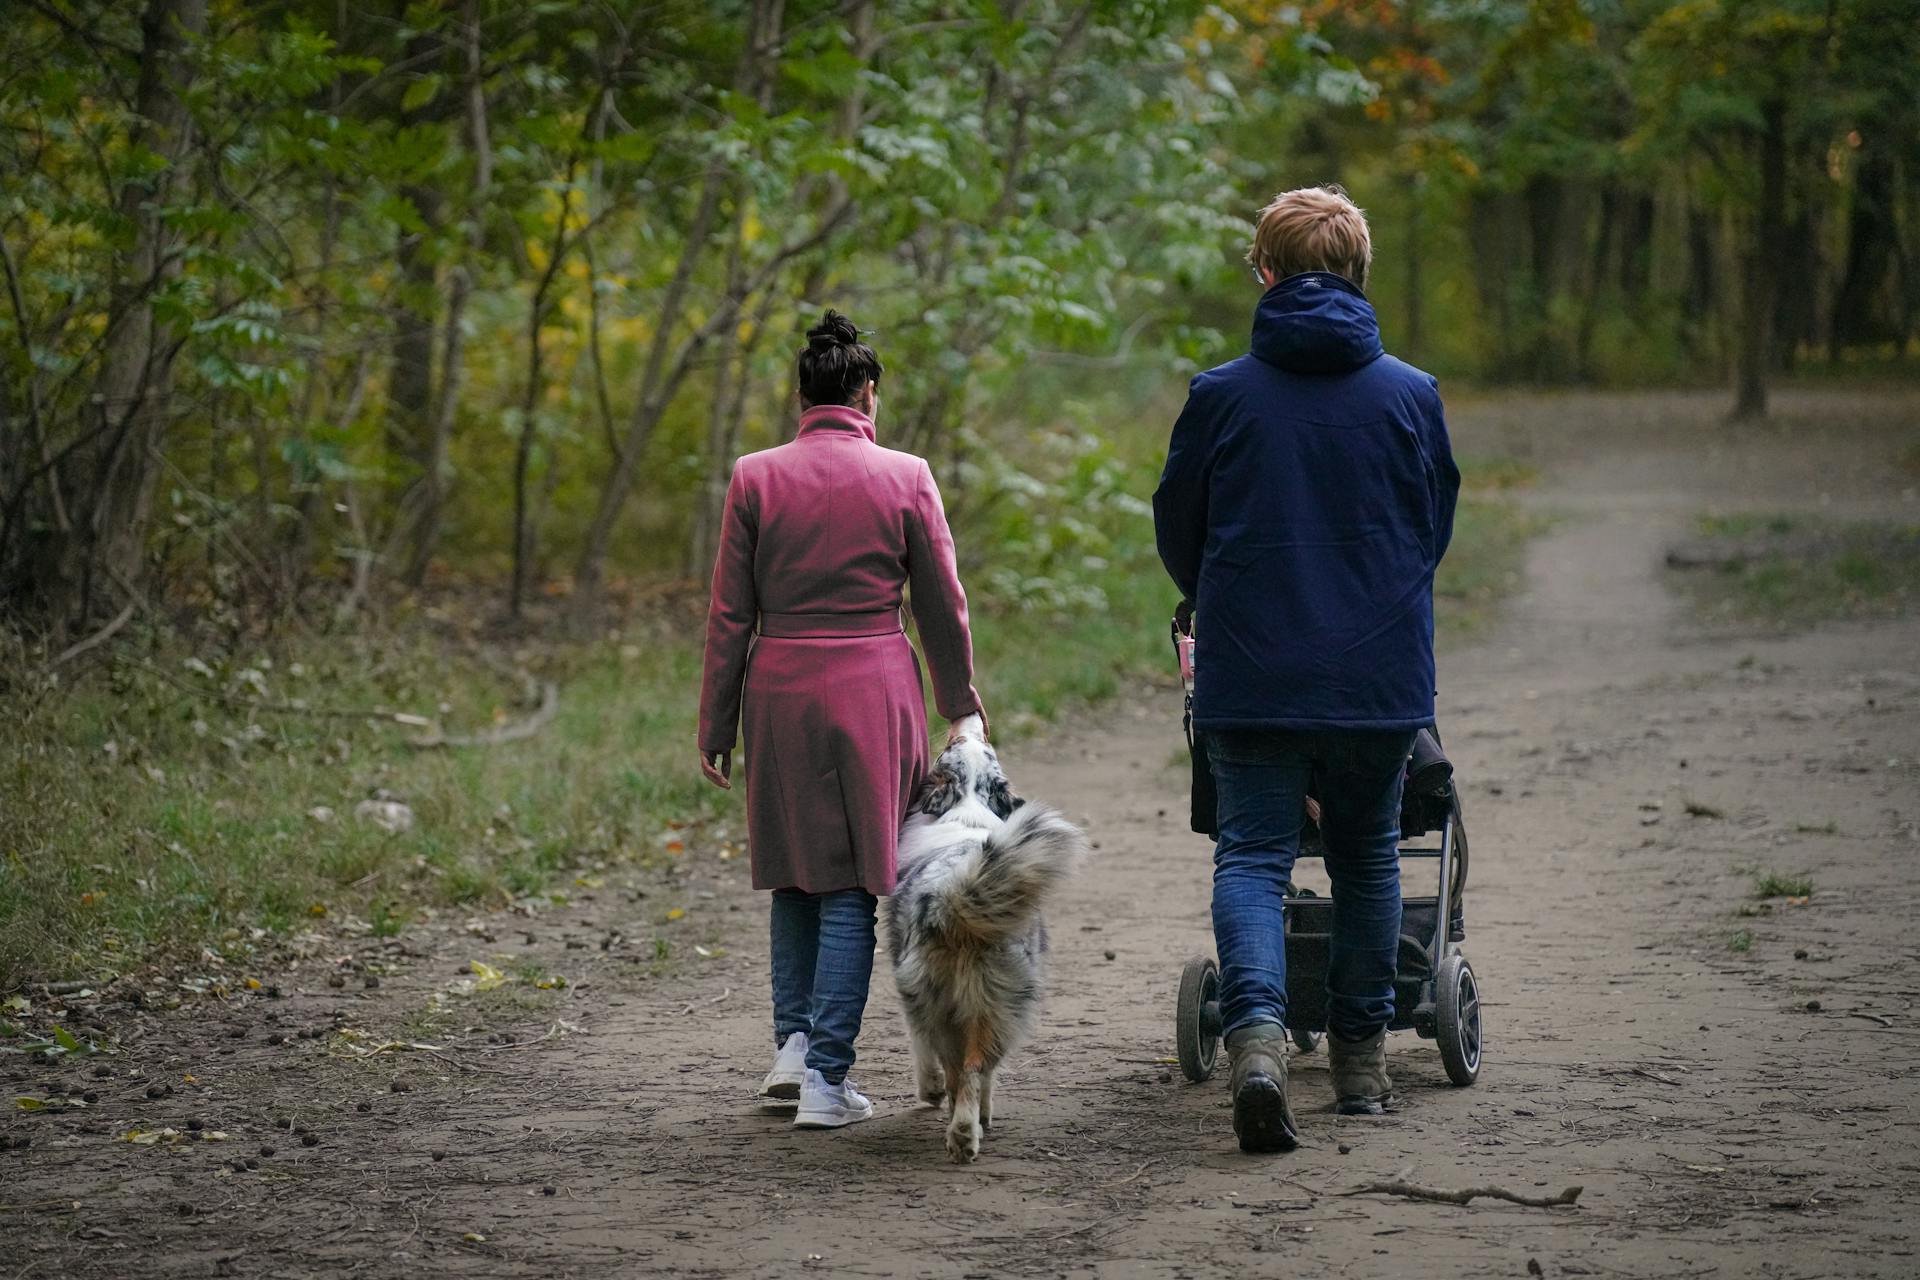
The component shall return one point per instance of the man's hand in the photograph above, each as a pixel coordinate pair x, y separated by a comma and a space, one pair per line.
718, 766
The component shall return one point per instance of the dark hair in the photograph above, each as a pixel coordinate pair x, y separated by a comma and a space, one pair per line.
836, 364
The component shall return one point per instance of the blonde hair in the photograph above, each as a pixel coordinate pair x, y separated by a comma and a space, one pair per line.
1313, 229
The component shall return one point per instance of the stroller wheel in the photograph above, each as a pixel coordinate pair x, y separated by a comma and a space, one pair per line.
1456, 1019
1305, 1041
1197, 1018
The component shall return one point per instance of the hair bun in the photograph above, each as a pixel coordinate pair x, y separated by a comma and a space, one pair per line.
834, 330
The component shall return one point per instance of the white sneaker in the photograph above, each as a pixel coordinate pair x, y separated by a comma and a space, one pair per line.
828, 1106
789, 1069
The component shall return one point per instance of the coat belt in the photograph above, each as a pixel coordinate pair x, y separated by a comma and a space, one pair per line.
820, 626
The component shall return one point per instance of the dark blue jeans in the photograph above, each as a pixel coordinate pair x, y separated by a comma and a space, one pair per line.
1262, 776
822, 962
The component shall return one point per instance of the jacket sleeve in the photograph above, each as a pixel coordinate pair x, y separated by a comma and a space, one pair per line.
1180, 503
1446, 475
732, 610
939, 603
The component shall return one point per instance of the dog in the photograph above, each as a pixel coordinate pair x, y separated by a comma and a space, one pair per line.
975, 865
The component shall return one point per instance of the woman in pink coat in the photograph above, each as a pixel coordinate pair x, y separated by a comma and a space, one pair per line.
806, 654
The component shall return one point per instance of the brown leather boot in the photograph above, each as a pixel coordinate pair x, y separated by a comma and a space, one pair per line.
1360, 1083
1261, 1118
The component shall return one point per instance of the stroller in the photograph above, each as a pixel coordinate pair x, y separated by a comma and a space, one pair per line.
1435, 993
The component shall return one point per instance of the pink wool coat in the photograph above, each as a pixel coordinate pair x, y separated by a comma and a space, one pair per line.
805, 652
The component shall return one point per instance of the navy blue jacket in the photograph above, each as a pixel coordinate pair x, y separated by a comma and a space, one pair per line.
1308, 496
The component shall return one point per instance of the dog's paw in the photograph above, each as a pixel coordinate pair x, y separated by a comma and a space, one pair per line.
963, 1143
933, 1096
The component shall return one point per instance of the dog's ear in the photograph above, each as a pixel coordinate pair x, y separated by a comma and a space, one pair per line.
939, 792
1001, 798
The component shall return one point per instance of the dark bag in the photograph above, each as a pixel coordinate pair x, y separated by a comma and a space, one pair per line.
1204, 817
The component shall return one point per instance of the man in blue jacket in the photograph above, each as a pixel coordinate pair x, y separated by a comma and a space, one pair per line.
1308, 496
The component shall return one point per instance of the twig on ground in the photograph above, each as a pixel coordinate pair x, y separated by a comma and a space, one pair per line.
1465, 1195
1880, 1018
722, 996
542, 716
99, 637
1124, 1181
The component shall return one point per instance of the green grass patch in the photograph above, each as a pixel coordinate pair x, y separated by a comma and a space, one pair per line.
1740, 941
1774, 884
1793, 571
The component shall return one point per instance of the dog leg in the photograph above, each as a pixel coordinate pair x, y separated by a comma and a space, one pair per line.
986, 1098
963, 1132
927, 1071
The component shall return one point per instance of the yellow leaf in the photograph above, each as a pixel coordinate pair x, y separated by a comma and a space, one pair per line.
474, 1237
489, 977
30, 1104
678, 913
551, 984
253, 984
317, 909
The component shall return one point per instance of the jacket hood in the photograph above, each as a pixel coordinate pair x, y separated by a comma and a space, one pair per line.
1316, 322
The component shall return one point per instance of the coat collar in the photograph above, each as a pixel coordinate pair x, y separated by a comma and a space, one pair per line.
836, 417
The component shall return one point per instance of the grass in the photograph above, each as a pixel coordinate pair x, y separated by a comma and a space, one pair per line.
157, 806
1774, 884
1740, 941
1794, 571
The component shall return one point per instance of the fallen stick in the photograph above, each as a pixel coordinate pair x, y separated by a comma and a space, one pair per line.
542, 716
1880, 1018
1465, 1195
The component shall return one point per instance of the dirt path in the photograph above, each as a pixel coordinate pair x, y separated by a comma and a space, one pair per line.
1730, 1112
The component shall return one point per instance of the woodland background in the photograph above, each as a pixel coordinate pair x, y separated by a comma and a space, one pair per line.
365, 364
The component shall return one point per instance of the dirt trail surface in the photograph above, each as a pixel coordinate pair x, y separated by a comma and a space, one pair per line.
1728, 1112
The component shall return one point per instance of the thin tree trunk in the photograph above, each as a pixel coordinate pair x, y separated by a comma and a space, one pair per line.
132, 392
665, 366
1415, 339
433, 481
1753, 356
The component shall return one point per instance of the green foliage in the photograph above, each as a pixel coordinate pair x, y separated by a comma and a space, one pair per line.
1798, 570
1774, 884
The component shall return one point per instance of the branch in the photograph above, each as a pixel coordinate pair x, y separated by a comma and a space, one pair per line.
1414, 1192
521, 729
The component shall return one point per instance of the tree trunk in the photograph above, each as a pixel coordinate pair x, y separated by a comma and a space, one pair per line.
1859, 311
131, 394
1415, 337
1753, 356
431, 503
666, 367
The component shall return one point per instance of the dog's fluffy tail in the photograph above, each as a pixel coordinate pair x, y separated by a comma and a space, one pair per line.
1000, 887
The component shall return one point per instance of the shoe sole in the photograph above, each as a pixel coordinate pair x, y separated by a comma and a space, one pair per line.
830, 1119
1364, 1106
782, 1090
1261, 1119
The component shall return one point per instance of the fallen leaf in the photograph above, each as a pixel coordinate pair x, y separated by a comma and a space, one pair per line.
678, 913
253, 984
702, 951
474, 1237
488, 976
17, 1004
676, 846
551, 984
65, 1039
148, 1137
317, 909
30, 1104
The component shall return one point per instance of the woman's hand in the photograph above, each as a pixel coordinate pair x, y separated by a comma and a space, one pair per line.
718, 766
967, 726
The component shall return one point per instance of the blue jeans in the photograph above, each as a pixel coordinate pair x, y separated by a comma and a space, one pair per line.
1262, 776
822, 961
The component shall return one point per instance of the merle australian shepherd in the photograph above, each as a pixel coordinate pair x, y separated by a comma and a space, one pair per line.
975, 864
